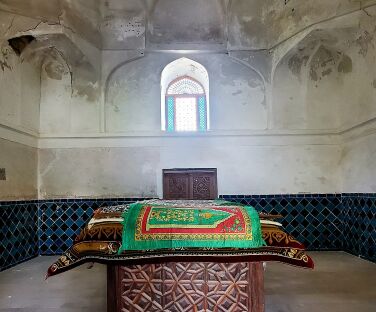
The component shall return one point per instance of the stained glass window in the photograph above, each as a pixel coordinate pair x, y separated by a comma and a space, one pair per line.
186, 106
185, 85
186, 114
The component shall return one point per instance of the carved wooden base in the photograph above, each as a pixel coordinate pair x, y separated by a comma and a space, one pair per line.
186, 287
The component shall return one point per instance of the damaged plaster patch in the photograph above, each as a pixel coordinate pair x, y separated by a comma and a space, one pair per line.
237, 92
327, 72
364, 41
124, 28
320, 60
55, 70
4, 64
54, 64
325, 61
296, 62
345, 65
88, 91
5, 58
374, 83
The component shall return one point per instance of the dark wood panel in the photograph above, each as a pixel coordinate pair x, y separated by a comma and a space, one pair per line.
176, 186
112, 288
193, 286
190, 184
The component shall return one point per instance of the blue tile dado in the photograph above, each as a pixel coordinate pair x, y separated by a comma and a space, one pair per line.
313, 219
321, 221
61, 220
359, 234
18, 232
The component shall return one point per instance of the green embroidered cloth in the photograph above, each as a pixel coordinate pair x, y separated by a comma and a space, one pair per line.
151, 226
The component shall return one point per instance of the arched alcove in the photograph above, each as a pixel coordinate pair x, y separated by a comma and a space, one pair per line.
193, 72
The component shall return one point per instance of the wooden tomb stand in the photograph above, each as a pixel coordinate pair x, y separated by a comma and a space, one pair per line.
187, 286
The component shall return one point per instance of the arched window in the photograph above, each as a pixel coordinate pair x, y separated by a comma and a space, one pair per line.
185, 86
186, 105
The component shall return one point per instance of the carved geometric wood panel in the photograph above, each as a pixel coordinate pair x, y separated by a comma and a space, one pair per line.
190, 183
187, 287
178, 186
141, 288
201, 187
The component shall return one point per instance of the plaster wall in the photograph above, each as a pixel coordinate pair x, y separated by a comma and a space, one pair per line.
133, 94
19, 92
21, 168
359, 89
97, 172
238, 101
137, 171
324, 84
70, 94
311, 86
358, 165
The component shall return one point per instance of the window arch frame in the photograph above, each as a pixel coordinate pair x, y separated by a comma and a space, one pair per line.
181, 67
200, 103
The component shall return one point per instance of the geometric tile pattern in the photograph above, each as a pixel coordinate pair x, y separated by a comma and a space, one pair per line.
18, 232
315, 220
60, 221
183, 287
359, 234
320, 221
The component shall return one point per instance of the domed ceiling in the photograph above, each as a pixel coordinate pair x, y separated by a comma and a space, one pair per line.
173, 24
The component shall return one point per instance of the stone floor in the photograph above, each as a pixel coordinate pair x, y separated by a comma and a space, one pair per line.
340, 282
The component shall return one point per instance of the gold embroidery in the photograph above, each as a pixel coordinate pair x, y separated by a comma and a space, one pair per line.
139, 236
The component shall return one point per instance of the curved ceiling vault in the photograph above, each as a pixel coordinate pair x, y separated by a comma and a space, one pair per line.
194, 24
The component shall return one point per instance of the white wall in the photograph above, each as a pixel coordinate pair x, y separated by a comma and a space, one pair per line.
127, 158
21, 167
133, 94
137, 171
19, 110
98, 125
19, 92
358, 163
359, 89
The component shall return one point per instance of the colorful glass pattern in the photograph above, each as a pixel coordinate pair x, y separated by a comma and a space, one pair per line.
170, 114
186, 114
186, 106
202, 113
185, 86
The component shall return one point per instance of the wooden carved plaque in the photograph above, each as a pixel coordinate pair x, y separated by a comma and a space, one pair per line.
190, 184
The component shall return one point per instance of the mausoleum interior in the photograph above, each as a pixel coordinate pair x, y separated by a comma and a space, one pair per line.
264, 107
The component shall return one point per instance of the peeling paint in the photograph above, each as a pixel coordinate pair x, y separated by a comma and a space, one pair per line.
89, 91
296, 62
364, 41
4, 65
322, 58
4, 59
55, 70
237, 92
325, 62
313, 74
327, 72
